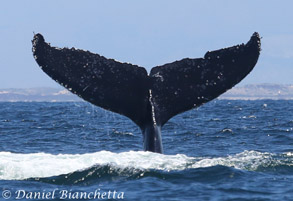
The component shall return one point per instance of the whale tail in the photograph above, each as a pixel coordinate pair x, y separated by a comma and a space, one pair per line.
148, 100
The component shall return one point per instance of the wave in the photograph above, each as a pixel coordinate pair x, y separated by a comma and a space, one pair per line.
75, 168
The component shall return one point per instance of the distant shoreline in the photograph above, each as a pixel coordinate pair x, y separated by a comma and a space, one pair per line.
247, 92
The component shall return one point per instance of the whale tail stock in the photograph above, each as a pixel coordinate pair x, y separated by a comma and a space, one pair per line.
148, 100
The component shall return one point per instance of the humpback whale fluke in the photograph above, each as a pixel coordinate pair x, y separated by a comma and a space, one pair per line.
148, 100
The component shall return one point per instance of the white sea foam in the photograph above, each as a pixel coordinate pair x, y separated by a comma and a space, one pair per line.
14, 166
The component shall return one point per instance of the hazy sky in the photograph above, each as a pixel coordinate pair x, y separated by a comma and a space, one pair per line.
145, 32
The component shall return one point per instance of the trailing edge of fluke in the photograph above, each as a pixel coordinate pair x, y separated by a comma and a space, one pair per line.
148, 100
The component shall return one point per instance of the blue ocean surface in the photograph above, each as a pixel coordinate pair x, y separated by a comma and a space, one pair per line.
224, 150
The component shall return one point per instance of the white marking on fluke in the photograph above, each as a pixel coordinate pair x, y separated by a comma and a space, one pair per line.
153, 108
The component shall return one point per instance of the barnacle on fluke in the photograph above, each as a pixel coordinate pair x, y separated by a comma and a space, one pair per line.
148, 100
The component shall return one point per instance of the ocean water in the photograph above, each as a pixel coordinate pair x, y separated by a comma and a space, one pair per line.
224, 150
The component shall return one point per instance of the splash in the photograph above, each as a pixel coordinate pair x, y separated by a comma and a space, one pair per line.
16, 166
